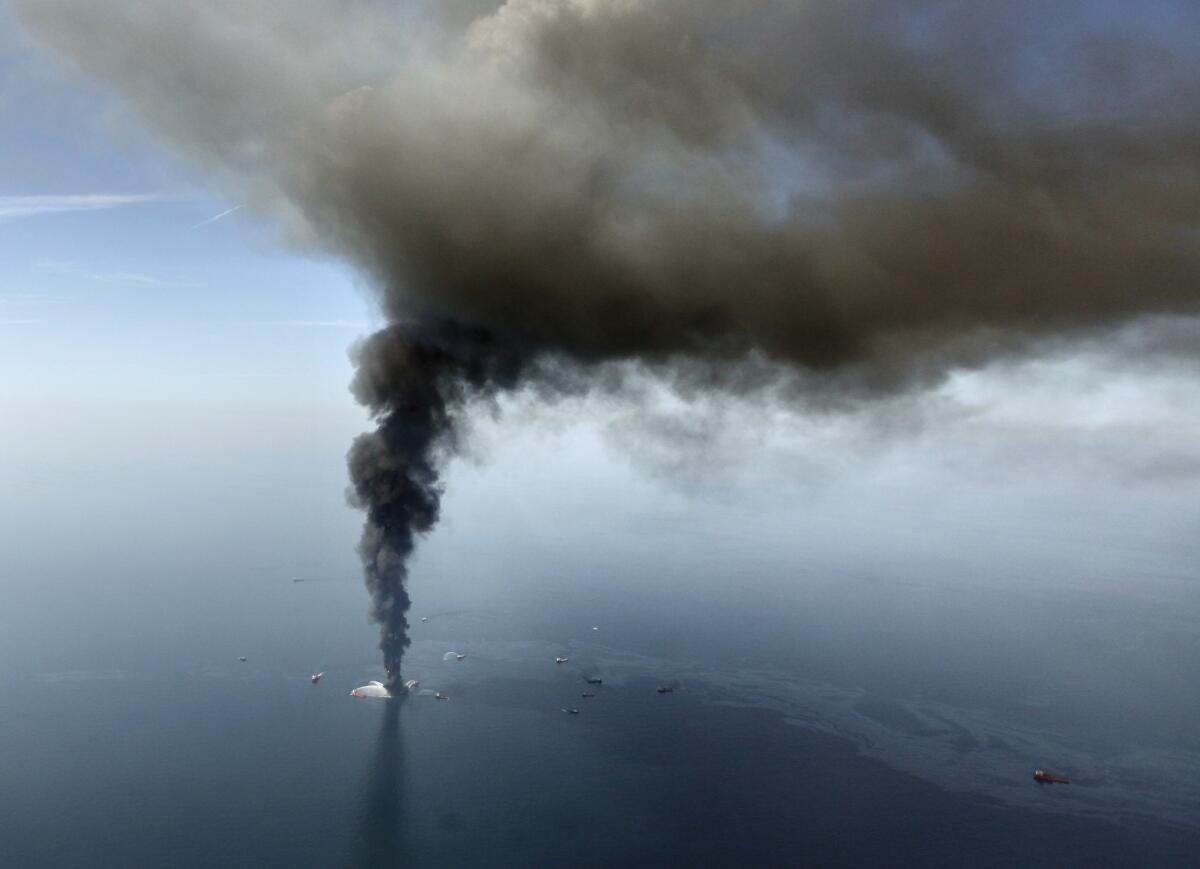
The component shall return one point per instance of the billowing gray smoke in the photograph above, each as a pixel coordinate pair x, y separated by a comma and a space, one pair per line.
868, 193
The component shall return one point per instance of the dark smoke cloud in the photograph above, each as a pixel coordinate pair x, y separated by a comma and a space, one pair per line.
868, 193
415, 379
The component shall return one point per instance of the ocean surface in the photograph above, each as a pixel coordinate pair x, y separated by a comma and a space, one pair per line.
846, 692
233, 763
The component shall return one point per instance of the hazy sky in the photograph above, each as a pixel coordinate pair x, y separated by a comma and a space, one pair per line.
125, 277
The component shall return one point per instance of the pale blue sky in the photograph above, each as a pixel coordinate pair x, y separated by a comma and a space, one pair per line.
130, 294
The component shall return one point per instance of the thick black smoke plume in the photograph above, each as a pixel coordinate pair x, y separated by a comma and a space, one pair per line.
868, 194
415, 379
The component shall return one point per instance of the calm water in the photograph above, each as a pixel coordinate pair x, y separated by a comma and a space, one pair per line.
248, 764
849, 690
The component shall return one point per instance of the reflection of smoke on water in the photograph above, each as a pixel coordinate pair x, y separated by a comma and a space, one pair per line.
380, 838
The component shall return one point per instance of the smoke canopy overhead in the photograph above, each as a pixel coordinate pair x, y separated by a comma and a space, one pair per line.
870, 194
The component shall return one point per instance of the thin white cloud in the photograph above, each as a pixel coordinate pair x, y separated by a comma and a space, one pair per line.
31, 206
215, 218
57, 267
25, 299
135, 279
316, 324
73, 269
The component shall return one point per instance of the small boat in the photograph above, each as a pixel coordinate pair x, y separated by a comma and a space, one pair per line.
438, 695
570, 711
1041, 776
594, 681
664, 690
561, 660
587, 694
